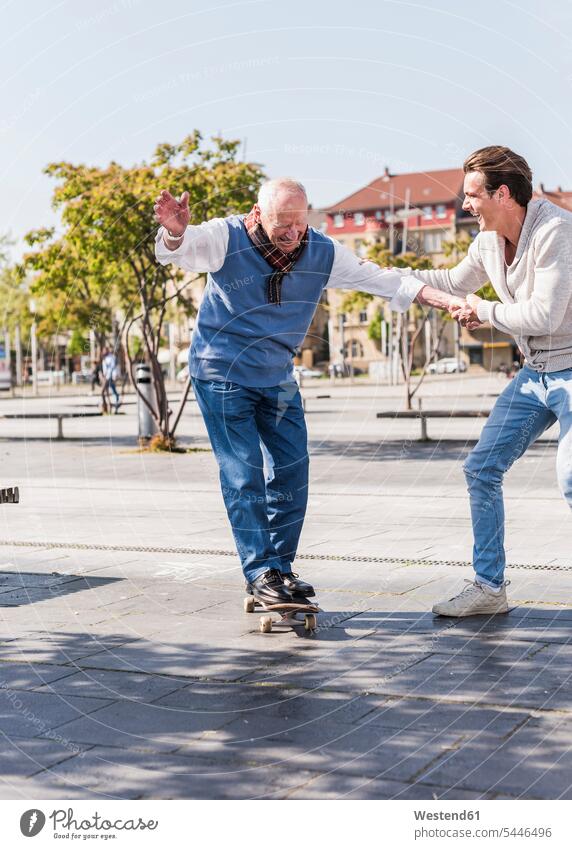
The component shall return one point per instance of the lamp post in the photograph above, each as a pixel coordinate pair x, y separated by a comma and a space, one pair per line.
34, 348
18, 346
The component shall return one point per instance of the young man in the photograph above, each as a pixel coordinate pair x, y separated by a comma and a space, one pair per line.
524, 248
267, 271
109, 371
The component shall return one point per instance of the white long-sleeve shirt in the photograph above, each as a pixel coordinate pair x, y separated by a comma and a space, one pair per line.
204, 248
535, 290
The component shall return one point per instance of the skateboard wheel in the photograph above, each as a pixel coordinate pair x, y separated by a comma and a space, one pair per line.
310, 621
249, 604
265, 624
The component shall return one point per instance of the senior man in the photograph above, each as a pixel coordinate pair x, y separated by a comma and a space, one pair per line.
266, 274
524, 248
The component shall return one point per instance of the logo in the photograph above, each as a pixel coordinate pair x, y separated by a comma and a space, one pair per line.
32, 822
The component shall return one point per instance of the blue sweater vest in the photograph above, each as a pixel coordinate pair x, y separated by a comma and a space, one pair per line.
238, 335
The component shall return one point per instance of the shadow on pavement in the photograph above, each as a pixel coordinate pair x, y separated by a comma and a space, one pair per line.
18, 588
413, 707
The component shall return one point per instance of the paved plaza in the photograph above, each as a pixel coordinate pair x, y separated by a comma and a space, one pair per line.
128, 668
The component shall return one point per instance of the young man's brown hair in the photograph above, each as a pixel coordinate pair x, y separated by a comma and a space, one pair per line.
501, 166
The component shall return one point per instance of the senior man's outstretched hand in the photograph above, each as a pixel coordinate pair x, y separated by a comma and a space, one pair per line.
173, 214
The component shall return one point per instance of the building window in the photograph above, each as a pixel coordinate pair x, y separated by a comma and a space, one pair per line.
432, 242
353, 349
338, 220
441, 210
427, 213
363, 316
379, 215
342, 318
359, 219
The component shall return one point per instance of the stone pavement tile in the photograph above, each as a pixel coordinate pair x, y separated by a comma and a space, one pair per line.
331, 745
434, 715
538, 590
28, 788
524, 684
337, 785
535, 762
407, 579
445, 639
401, 620
31, 714
362, 666
556, 656
59, 647
166, 627
551, 612
30, 676
227, 659
106, 684
115, 773
379, 752
286, 707
54, 617
291, 746
488, 646
142, 726
20, 758
518, 624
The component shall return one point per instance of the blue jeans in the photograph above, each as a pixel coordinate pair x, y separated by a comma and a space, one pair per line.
259, 440
111, 387
530, 404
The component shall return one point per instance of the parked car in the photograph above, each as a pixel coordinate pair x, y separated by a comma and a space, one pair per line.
5, 380
446, 365
83, 376
304, 372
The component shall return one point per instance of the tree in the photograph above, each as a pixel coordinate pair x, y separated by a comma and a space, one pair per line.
455, 251
105, 258
14, 295
405, 330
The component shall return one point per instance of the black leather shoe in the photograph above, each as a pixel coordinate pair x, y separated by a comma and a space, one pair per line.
270, 587
296, 586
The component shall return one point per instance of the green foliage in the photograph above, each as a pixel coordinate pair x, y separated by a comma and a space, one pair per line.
105, 258
383, 257
355, 301
14, 294
136, 348
374, 327
78, 344
456, 251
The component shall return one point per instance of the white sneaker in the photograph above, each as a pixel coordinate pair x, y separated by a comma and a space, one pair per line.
473, 600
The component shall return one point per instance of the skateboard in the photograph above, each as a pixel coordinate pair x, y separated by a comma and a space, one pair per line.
10, 495
287, 612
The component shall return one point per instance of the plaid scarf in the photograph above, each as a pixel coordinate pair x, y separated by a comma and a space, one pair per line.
281, 263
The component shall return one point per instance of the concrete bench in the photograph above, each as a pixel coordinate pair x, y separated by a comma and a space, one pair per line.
58, 416
423, 415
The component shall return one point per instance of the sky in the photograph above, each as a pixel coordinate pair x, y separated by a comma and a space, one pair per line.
327, 92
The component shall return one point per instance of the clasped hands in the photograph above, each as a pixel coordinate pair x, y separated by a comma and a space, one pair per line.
464, 310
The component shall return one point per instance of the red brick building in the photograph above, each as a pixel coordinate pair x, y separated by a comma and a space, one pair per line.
414, 212
424, 209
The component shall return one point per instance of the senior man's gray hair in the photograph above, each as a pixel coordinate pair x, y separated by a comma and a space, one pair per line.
269, 191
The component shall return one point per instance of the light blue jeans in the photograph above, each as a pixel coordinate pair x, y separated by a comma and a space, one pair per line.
260, 443
530, 404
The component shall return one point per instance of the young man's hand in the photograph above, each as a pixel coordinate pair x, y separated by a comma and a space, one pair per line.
173, 214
